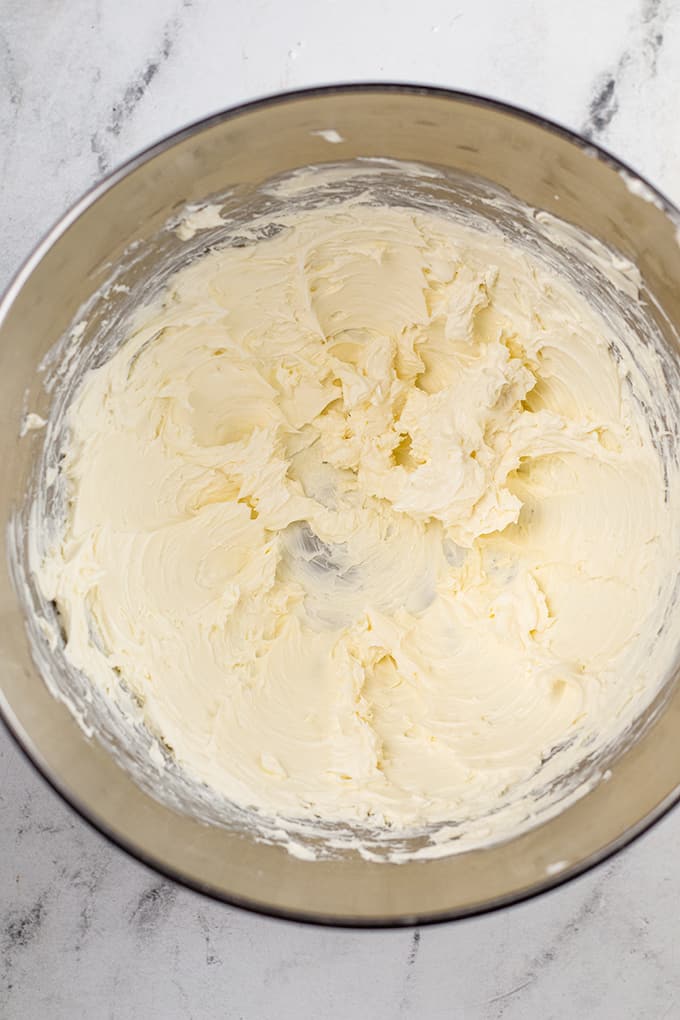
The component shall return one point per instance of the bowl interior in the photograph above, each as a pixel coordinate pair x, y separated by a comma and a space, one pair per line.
486, 164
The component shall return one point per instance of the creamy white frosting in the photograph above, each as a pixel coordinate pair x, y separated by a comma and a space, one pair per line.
366, 516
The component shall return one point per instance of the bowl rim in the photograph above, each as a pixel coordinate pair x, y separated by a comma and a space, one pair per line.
23, 741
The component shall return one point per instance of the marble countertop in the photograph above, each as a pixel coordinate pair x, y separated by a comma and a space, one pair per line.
85, 930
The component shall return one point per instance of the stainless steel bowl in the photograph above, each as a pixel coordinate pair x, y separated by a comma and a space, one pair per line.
540, 164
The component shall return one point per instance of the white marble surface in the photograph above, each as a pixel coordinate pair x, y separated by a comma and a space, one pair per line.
86, 931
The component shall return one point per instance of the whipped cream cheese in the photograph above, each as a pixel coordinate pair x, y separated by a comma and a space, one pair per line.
368, 519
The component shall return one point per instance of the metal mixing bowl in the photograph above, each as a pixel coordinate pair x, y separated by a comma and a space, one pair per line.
539, 164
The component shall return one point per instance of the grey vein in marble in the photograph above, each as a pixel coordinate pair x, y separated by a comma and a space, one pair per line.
133, 94
152, 908
603, 107
640, 58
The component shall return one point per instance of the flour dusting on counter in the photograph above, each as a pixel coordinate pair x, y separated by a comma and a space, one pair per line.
367, 518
